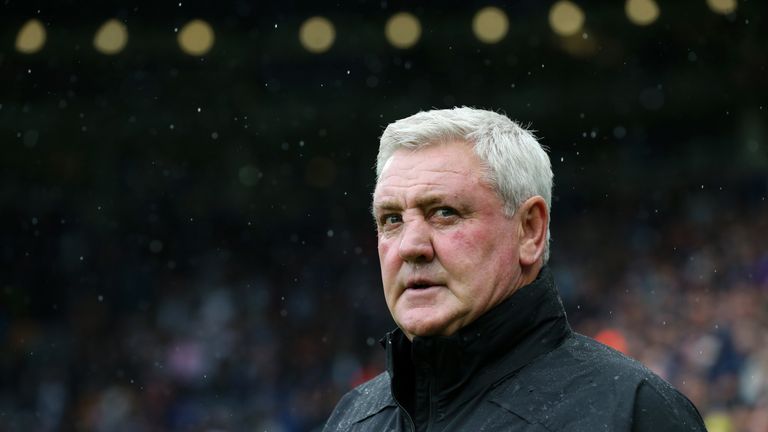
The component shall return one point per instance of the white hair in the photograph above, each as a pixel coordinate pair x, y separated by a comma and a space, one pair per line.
517, 166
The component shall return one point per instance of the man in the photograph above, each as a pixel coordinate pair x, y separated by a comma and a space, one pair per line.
462, 205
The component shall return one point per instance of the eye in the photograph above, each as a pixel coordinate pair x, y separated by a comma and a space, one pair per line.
445, 212
391, 219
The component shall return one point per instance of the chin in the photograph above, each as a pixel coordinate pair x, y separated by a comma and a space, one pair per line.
424, 322
423, 329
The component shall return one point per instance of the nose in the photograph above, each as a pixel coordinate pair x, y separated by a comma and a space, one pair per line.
416, 242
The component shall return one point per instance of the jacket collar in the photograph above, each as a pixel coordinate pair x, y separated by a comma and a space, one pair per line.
528, 324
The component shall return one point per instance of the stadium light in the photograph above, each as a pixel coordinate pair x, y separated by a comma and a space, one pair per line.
196, 37
111, 37
642, 12
317, 34
403, 30
490, 25
723, 7
566, 18
31, 37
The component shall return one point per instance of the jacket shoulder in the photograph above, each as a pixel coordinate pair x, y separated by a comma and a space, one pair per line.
656, 405
360, 403
611, 365
582, 385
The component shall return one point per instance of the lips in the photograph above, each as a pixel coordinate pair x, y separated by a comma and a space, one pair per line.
421, 283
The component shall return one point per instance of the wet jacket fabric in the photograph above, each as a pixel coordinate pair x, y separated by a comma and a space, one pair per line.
519, 367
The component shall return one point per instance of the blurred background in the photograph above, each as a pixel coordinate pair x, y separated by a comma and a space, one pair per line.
185, 243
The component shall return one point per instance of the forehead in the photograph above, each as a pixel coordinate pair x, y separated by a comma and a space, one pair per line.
450, 167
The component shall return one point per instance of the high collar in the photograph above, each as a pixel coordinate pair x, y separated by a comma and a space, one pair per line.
531, 322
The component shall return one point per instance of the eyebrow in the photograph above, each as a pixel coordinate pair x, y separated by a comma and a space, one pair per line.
423, 201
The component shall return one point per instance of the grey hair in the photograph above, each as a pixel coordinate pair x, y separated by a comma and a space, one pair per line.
517, 166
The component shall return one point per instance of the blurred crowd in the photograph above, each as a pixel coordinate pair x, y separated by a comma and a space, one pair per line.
270, 344
690, 301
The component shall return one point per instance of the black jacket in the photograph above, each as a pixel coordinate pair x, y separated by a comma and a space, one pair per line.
519, 367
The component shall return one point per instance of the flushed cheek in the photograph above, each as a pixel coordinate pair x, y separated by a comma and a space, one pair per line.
460, 247
389, 268
467, 251
386, 259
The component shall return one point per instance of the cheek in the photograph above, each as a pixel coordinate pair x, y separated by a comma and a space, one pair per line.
478, 246
467, 243
385, 248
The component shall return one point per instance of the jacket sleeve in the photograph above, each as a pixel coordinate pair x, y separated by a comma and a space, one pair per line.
664, 409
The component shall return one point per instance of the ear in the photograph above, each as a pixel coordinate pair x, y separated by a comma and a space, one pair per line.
534, 220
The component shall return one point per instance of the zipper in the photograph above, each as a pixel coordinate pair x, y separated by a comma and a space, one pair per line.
410, 422
430, 404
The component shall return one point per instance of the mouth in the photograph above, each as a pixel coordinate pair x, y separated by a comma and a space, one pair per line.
420, 284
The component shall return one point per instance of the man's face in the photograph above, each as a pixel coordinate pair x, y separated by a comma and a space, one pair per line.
448, 252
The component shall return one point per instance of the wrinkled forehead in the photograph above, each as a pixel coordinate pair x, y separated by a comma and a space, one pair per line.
451, 166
